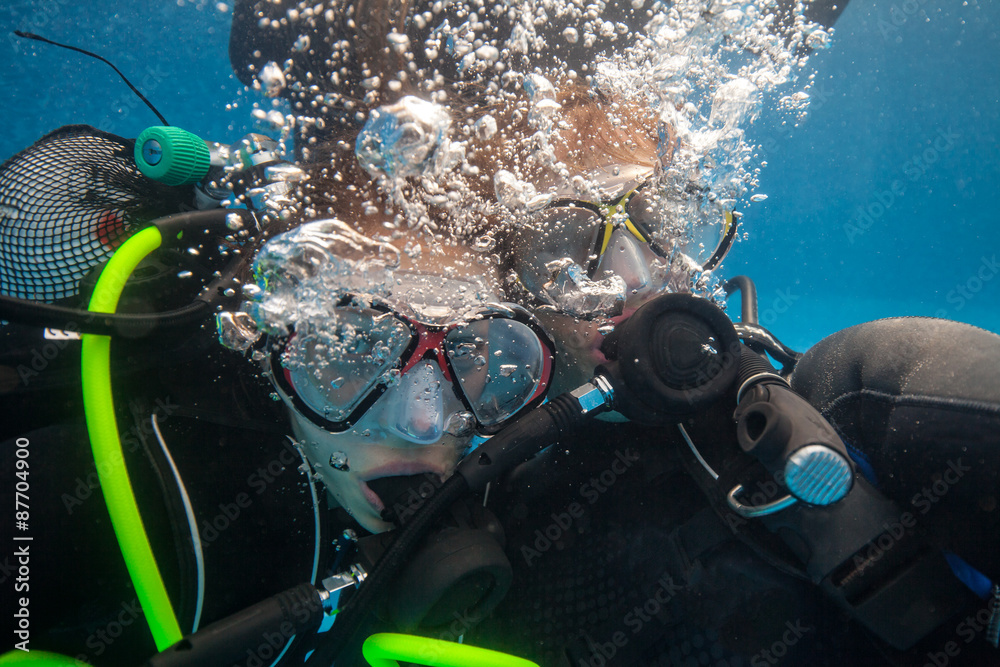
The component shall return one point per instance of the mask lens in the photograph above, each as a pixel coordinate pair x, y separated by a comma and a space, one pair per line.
629, 259
645, 213
711, 231
333, 372
563, 231
500, 365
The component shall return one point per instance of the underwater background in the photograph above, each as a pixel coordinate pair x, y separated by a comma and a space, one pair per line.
880, 201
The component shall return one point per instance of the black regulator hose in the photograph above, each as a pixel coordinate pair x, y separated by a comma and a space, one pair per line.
297, 610
77, 320
749, 329
748, 297
533, 432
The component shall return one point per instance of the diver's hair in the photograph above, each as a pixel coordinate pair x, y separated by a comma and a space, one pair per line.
375, 21
595, 131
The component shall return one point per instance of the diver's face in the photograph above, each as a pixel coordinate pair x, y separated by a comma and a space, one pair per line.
391, 439
594, 261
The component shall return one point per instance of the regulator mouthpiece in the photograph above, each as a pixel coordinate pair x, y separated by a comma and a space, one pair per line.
675, 356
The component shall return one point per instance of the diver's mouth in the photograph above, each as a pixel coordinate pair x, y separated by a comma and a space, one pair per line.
598, 340
405, 486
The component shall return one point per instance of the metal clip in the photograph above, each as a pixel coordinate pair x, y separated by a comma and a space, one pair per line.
754, 511
333, 586
595, 395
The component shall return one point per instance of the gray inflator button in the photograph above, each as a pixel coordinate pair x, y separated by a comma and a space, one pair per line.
818, 475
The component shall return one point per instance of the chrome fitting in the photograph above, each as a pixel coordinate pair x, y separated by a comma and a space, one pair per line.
333, 586
595, 395
759, 377
754, 511
273, 195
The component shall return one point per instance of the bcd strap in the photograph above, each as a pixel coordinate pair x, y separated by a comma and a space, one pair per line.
863, 552
873, 561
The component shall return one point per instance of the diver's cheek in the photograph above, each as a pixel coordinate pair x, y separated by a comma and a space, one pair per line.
576, 340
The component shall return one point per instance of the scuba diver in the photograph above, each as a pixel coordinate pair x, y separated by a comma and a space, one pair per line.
616, 542
717, 572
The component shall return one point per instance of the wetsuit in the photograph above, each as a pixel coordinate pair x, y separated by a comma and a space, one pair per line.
618, 556
631, 563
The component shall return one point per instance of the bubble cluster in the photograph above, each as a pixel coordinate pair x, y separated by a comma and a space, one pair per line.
471, 116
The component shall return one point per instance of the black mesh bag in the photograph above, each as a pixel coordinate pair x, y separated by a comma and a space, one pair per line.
66, 203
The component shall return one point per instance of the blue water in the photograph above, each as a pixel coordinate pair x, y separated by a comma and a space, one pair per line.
907, 96
175, 52
903, 126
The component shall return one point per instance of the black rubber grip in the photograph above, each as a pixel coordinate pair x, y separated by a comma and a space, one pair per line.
520, 441
248, 636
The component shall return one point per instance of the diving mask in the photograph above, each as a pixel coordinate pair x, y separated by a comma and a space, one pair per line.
616, 237
499, 363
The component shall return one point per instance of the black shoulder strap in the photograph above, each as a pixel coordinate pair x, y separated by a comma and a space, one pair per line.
862, 552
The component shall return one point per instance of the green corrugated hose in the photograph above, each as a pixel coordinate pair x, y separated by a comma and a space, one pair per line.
384, 649
104, 438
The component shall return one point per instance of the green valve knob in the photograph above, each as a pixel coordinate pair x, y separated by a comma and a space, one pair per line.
171, 155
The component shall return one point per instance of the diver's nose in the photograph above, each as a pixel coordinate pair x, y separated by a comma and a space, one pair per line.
624, 257
417, 412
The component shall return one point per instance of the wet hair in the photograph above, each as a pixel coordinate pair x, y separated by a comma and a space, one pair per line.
594, 132
591, 131
365, 68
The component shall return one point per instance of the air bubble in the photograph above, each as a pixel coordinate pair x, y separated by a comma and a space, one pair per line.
272, 79
338, 461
